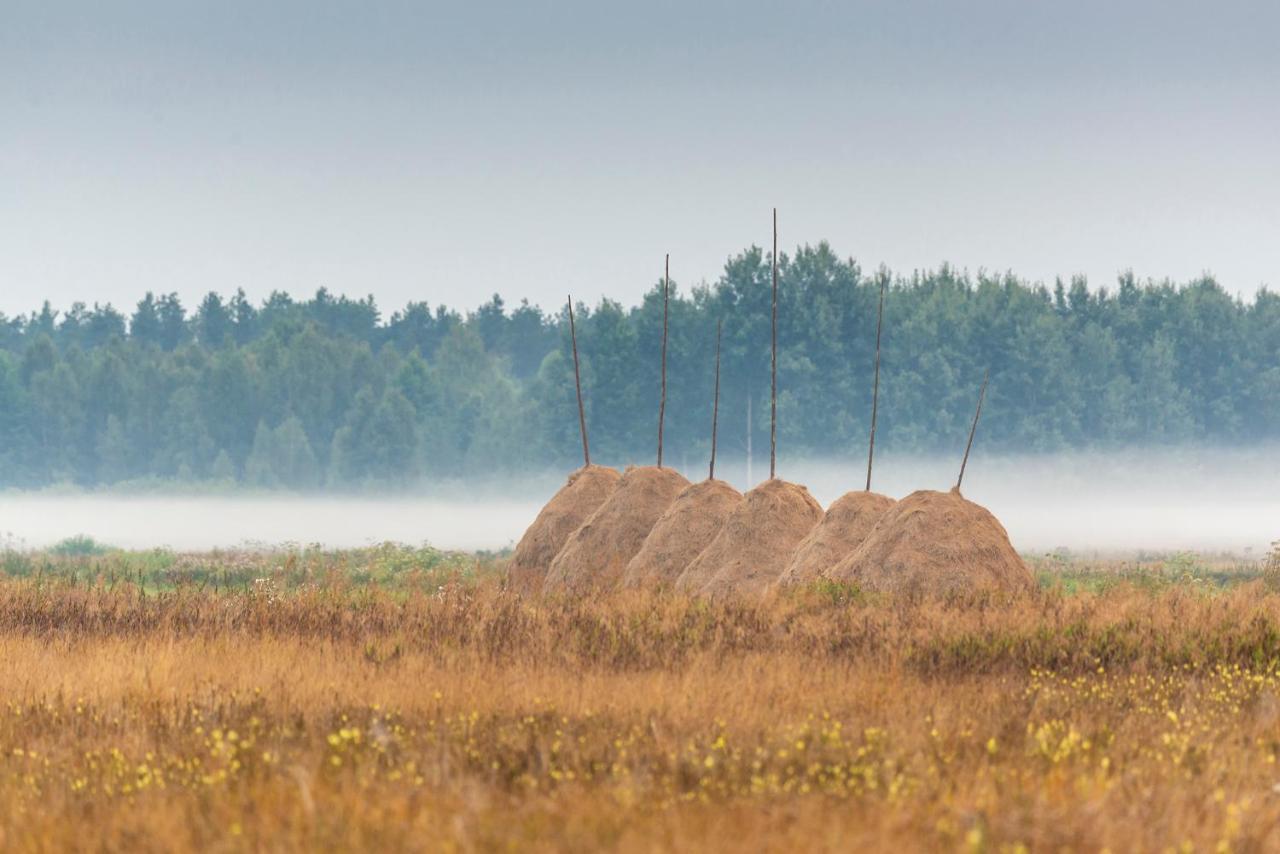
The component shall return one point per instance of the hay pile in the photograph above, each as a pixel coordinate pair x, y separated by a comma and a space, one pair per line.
938, 543
587, 489
755, 543
843, 528
689, 525
595, 555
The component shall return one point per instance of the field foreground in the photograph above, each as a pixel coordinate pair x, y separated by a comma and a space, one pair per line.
399, 699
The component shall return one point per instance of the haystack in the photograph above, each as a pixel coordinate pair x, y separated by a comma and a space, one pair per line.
755, 543
843, 528
936, 542
595, 555
689, 525
587, 489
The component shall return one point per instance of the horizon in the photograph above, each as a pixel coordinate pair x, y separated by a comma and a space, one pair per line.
680, 290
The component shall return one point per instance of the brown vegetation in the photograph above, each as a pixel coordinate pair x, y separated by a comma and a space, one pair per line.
587, 489
939, 543
595, 555
844, 526
685, 529
419, 717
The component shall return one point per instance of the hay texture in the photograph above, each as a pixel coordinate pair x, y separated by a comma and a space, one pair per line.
587, 489
755, 544
936, 543
595, 555
844, 526
689, 525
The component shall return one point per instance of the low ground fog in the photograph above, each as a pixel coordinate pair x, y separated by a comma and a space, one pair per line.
1157, 500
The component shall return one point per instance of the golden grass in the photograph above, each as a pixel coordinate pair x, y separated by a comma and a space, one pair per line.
325, 716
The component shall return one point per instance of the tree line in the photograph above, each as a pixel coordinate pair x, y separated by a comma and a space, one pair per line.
326, 392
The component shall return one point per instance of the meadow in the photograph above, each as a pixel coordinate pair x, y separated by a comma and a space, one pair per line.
399, 698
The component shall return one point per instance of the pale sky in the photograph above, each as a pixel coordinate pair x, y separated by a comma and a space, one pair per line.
446, 151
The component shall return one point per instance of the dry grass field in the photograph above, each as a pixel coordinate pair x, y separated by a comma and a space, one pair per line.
399, 699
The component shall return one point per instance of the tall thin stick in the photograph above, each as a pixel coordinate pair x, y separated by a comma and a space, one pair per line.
974, 428
715, 404
662, 401
875, 386
773, 361
577, 382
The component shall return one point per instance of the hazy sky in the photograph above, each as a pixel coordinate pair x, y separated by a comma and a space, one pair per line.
447, 151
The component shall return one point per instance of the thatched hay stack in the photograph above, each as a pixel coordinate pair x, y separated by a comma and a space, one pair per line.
689, 525
936, 542
755, 543
595, 555
587, 489
843, 528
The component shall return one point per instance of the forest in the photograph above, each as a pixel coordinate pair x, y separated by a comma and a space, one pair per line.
326, 392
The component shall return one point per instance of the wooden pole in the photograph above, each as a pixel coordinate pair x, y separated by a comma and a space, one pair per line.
875, 386
662, 401
973, 429
715, 404
577, 382
773, 360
